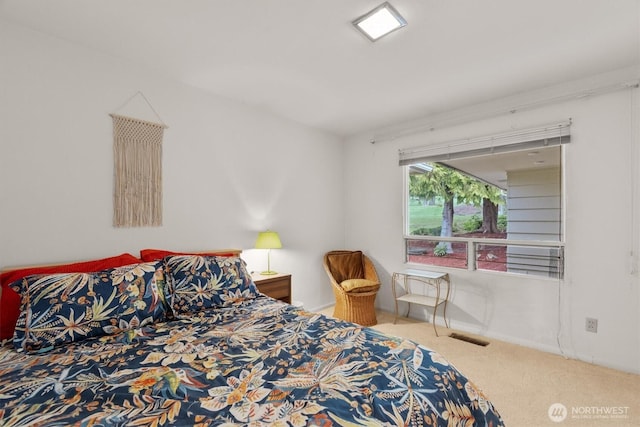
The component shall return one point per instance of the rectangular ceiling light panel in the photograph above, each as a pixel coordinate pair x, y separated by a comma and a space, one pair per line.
381, 21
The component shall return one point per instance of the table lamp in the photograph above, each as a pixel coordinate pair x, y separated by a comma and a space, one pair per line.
268, 240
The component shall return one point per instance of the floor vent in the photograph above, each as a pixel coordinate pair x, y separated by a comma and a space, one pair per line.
465, 338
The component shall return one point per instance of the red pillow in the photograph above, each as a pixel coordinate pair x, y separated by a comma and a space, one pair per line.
148, 255
10, 300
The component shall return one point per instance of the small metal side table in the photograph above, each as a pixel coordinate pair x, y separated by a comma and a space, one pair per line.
437, 281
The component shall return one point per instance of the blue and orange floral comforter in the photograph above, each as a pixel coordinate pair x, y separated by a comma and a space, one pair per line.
259, 362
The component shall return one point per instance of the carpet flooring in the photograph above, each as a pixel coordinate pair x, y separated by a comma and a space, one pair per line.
525, 385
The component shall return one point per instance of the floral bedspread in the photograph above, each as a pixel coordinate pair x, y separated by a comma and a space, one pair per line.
259, 362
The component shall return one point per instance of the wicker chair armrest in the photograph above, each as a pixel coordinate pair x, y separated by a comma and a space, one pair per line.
370, 272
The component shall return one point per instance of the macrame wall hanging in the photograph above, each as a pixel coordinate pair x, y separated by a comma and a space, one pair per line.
137, 151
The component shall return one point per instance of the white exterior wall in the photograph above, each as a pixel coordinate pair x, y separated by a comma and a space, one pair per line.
601, 278
534, 204
534, 208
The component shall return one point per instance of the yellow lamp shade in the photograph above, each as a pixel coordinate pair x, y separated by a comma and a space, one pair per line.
268, 240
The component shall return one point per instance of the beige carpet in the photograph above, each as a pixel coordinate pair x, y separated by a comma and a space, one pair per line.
524, 383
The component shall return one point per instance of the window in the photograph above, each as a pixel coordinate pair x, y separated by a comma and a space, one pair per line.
491, 203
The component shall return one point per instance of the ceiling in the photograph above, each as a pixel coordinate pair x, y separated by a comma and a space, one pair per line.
494, 168
303, 60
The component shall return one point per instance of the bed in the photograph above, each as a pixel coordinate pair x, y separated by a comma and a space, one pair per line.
186, 339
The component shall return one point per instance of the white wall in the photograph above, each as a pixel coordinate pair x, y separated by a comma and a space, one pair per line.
601, 217
229, 171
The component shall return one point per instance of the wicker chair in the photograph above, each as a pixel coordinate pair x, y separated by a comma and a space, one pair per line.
355, 285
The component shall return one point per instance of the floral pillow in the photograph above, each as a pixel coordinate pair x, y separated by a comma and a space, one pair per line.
10, 300
197, 283
61, 308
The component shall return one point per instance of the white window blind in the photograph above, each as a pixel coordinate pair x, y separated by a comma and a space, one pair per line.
524, 139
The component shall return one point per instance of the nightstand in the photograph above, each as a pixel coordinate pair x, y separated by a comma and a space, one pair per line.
276, 286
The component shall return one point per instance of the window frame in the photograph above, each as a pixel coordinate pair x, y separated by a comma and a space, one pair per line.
472, 243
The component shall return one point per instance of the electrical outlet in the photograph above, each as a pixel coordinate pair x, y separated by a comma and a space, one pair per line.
591, 325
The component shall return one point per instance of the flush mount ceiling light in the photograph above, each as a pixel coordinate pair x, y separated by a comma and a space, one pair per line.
381, 21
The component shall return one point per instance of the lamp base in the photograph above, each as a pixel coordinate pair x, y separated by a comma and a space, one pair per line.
268, 273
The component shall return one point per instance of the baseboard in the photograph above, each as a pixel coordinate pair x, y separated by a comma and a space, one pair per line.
320, 308
512, 340
553, 349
